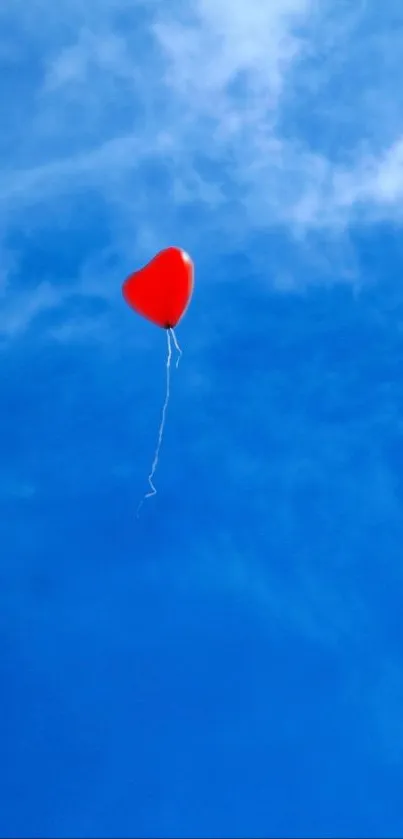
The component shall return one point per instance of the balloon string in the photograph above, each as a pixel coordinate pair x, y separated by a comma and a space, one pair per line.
177, 347
170, 333
161, 428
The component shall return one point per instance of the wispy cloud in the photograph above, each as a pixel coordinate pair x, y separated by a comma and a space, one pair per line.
21, 309
214, 82
240, 116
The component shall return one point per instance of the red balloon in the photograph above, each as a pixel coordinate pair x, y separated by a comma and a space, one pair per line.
161, 291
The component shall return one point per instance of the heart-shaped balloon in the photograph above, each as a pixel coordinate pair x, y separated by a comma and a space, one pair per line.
161, 291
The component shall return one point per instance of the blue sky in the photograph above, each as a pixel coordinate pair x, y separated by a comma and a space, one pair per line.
230, 664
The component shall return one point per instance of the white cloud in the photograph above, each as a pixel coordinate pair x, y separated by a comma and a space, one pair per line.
227, 43
251, 114
379, 180
211, 79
